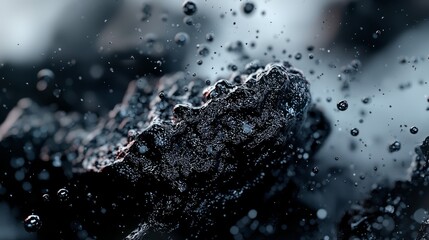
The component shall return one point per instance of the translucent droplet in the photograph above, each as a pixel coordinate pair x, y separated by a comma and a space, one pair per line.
63, 194
189, 8
203, 50
209, 37
32, 223
354, 132
322, 214
181, 38
395, 146
414, 130
315, 170
342, 105
248, 7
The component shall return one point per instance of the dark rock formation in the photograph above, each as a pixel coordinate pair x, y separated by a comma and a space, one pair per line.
399, 212
173, 163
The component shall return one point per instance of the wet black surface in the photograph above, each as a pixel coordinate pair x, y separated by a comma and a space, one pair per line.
151, 121
189, 171
396, 211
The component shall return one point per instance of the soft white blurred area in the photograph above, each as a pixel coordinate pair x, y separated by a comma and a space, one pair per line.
27, 28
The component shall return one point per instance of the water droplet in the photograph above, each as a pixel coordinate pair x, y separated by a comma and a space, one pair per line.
395, 146
209, 37
32, 223
252, 214
45, 76
315, 170
366, 100
188, 20
322, 214
63, 194
247, 128
354, 132
203, 50
147, 11
414, 130
342, 105
189, 8
181, 38
161, 95
143, 149
248, 7
46, 197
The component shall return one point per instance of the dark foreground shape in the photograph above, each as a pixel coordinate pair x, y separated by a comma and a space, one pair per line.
399, 212
173, 164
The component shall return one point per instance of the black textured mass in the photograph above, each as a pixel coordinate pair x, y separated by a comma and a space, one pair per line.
170, 161
399, 212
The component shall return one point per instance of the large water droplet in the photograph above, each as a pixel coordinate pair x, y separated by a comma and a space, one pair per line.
189, 8
248, 7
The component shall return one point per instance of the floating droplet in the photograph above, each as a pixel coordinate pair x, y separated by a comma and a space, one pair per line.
395, 146
188, 20
32, 223
322, 214
366, 100
181, 38
46, 75
209, 37
63, 194
342, 105
248, 7
203, 50
46, 197
414, 130
315, 170
354, 132
189, 8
